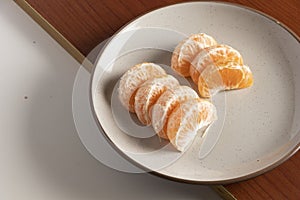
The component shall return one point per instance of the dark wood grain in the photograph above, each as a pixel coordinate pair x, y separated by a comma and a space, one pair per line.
86, 23
282, 182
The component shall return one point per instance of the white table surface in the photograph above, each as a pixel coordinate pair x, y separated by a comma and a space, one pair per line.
40, 151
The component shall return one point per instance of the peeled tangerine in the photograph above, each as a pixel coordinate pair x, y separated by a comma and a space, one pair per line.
187, 50
218, 55
231, 76
149, 92
164, 106
133, 79
187, 119
218, 68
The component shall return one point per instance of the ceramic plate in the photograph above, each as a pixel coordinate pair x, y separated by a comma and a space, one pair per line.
259, 125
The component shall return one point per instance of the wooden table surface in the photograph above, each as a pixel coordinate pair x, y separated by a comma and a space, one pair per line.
82, 24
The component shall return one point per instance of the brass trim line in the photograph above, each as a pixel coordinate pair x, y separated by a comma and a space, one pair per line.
223, 192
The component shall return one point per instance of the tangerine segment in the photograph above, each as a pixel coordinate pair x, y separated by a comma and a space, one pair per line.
165, 104
186, 119
132, 80
218, 55
232, 76
187, 50
149, 92
248, 78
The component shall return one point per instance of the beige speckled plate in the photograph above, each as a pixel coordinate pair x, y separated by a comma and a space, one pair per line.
260, 124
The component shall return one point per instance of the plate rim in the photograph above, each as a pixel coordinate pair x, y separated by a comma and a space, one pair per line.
172, 178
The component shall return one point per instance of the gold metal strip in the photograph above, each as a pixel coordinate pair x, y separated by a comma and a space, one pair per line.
223, 192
